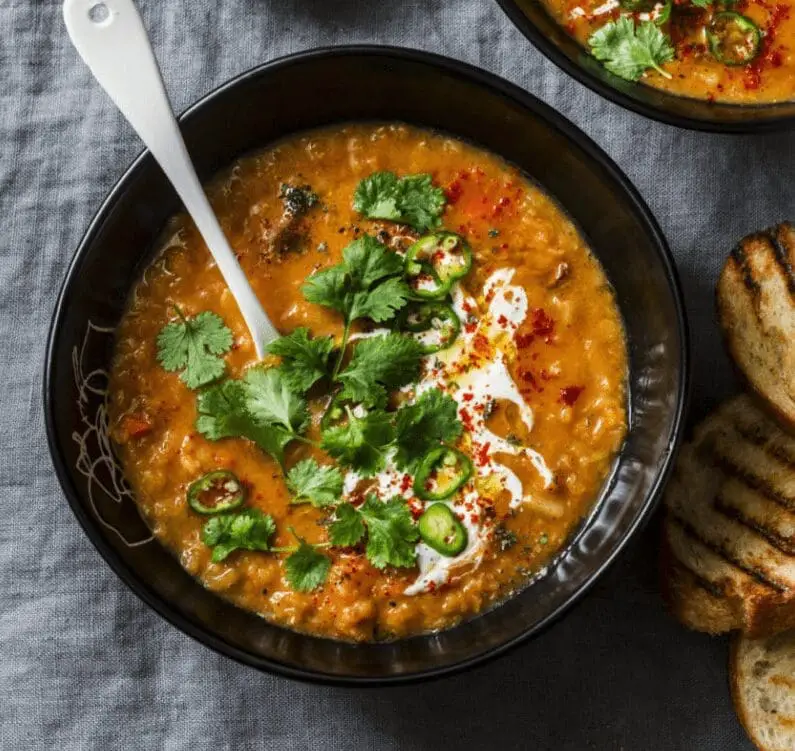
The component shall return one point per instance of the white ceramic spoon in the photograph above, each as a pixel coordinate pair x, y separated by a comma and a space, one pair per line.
111, 39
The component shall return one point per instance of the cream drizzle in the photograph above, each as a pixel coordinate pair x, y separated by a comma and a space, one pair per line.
477, 389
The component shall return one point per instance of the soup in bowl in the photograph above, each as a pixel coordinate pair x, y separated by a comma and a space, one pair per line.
443, 407
473, 403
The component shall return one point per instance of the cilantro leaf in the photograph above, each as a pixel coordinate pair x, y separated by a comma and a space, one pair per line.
329, 288
381, 303
391, 532
411, 200
420, 203
706, 4
319, 485
248, 529
628, 51
223, 413
433, 418
193, 345
304, 361
376, 196
306, 569
381, 363
361, 442
368, 261
363, 285
270, 400
347, 529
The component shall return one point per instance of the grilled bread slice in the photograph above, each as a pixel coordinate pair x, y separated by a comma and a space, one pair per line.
756, 310
729, 534
763, 689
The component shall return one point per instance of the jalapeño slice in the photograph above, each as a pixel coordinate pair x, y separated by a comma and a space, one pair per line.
733, 39
434, 325
216, 492
442, 471
665, 13
441, 530
435, 261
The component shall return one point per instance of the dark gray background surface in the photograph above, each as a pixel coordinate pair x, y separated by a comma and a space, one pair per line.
84, 664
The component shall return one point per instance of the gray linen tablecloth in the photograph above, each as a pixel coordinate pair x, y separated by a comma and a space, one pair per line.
84, 664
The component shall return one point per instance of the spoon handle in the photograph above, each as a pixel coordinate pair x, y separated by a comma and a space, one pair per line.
110, 37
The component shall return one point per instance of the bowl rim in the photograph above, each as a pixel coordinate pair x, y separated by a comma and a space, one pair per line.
527, 102
579, 73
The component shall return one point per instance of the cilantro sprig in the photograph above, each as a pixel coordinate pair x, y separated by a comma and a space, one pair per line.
364, 285
248, 529
381, 364
194, 346
412, 200
361, 442
388, 526
310, 482
431, 419
304, 360
628, 51
305, 568
259, 407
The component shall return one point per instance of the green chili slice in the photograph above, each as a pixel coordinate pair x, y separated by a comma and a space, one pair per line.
665, 13
441, 530
442, 472
435, 261
434, 325
216, 492
733, 39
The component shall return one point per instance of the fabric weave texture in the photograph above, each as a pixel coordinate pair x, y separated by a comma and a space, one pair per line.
85, 665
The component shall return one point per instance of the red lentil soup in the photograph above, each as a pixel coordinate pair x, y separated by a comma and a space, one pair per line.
405, 472
720, 50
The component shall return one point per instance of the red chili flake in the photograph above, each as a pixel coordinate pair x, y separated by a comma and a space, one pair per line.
474, 518
767, 56
523, 340
570, 394
466, 306
466, 419
405, 483
543, 325
438, 256
454, 191
482, 454
481, 344
468, 397
470, 327
502, 320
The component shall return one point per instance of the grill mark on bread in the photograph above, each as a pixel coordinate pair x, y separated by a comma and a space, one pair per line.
782, 257
782, 544
711, 588
755, 434
741, 259
753, 572
752, 481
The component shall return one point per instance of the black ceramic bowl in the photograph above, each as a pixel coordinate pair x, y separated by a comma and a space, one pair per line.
306, 91
547, 35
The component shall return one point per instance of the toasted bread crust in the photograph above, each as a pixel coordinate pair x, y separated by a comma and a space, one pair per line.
729, 533
756, 312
